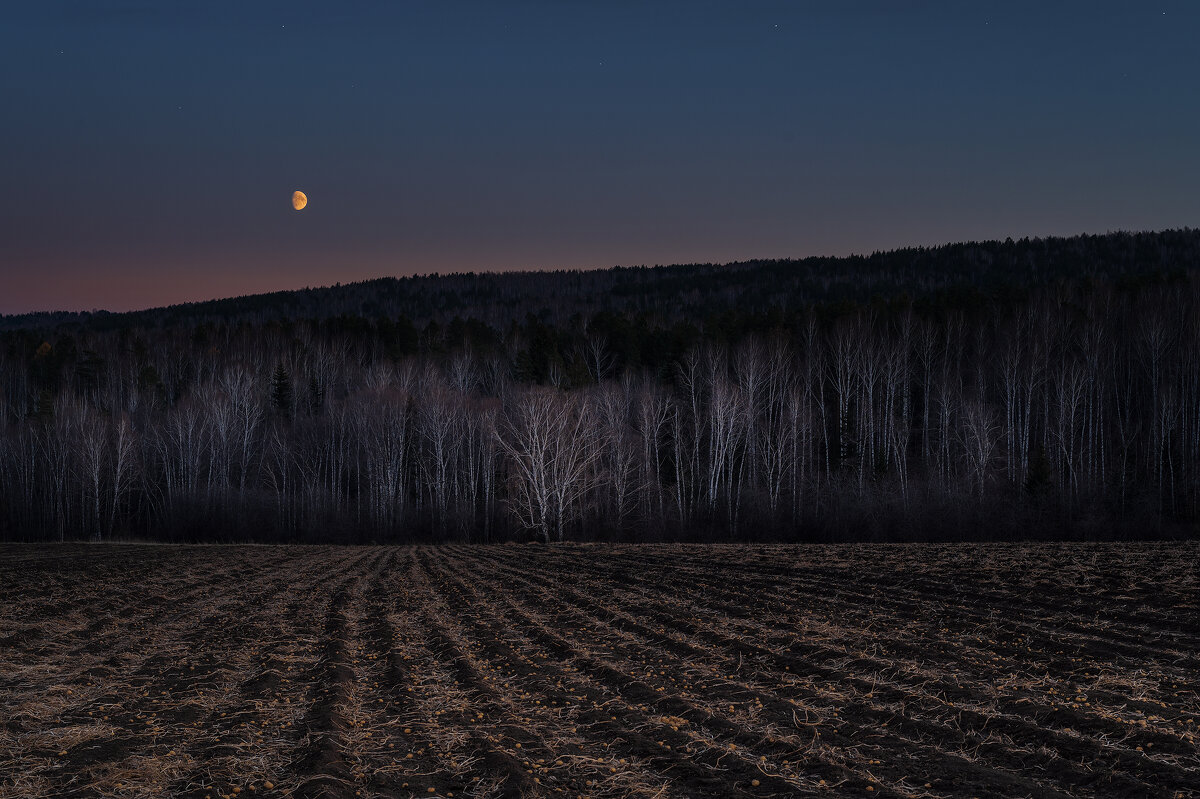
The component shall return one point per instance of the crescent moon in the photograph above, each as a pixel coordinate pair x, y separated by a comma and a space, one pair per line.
299, 200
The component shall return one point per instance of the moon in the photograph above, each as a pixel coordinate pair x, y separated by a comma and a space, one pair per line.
299, 200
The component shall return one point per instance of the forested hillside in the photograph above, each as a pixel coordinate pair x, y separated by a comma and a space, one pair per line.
951, 274
1002, 389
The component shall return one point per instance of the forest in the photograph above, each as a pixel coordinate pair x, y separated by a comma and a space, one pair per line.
1044, 388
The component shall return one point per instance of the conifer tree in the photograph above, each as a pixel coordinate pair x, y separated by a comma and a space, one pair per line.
281, 391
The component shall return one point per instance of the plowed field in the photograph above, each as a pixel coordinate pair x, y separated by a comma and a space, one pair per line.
916, 671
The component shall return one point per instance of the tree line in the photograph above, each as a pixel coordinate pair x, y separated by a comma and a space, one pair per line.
961, 275
1070, 409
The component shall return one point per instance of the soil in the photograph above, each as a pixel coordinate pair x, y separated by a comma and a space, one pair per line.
598, 671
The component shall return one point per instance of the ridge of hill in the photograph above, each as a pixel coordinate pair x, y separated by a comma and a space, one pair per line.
979, 269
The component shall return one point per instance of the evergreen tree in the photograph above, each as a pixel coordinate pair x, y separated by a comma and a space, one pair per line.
1038, 480
281, 391
316, 397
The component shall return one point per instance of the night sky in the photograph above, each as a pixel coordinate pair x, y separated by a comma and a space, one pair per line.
149, 149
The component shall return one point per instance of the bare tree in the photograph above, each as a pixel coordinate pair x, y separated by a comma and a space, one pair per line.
436, 422
544, 435
123, 460
978, 434
618, 461
599, 359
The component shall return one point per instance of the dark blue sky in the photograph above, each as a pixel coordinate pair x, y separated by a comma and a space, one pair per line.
150, 148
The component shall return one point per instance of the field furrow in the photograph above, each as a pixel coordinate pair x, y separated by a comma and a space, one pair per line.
851, 709
588, 671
